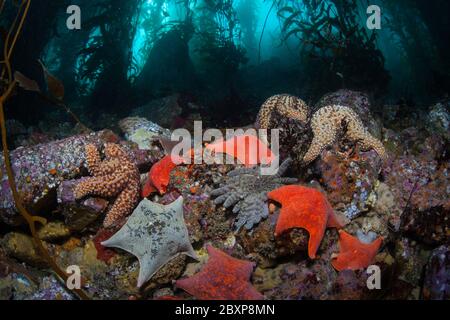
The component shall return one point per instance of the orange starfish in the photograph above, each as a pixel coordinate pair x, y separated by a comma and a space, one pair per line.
222, 278
247, 148
354, 254
159, 176
116, 175
307, 208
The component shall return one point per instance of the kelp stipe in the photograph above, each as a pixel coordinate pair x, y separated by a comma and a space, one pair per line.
7, 78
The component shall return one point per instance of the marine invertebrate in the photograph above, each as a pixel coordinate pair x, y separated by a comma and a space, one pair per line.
159, 176
358, 101
247, 148
338, 122
354, 254
117, 176
103, 254
284, 104
307, 208
155, 234
246, 190
222, 278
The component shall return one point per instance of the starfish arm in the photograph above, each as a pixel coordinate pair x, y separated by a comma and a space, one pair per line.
88, 186
232, 199
240, 171
108, 167
124, 204
284, 166
148, 266
288, 180
369, 142
345, 241
100, 186
237, 208
113, 150
321, 140
177, 205
294, 108
265, 114
92, 159
220, 191
221, 199
121, 239
251, 213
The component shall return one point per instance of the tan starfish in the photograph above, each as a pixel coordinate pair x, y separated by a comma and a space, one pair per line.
286, 105
328, 121
116, 175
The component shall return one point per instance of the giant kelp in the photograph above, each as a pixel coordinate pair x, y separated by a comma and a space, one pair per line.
8, 86
334, 42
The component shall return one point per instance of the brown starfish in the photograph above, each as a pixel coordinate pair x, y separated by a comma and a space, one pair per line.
328, 121
286, 105
116, 175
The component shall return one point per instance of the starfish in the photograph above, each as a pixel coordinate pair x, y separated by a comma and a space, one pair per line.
307, 208
117, 175
246, 191
247, 148
222, 278
331, 121
155, 234
159, 176
354, 254
286, 105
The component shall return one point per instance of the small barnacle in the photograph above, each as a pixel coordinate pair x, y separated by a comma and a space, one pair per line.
245, 190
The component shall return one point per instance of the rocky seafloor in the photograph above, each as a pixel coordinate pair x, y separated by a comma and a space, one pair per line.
404, 199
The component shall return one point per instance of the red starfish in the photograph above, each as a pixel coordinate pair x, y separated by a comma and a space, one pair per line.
104, 254
159, 176
222, 278
354, 254
307, 208
247, 148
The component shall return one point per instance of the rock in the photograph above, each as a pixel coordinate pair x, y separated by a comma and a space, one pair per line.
142, 131
407, 174
427, 215
439, 119
78, 214
22, 247
16, 287
350, 181
194, 207
437, 275
262, 242
170, 271
40, 169
410, 259
162, 111
51, 289
53, 231
265, 279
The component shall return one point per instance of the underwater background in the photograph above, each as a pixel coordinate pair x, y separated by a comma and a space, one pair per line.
364, 148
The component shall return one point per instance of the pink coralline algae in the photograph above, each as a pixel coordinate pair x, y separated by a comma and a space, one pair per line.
349, 180
437, 275
420, 185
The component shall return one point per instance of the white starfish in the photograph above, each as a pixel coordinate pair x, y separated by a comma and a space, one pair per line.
155, 234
